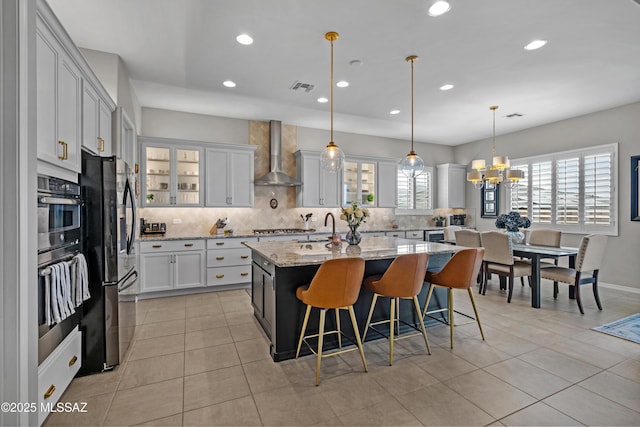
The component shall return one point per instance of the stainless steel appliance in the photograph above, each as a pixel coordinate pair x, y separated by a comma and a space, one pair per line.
108, 233
433, 235
59, 206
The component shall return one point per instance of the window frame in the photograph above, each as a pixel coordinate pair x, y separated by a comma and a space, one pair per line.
580, 227
413, 211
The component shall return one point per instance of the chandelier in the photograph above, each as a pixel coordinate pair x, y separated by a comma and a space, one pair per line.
332, 158
412, 165
498, 172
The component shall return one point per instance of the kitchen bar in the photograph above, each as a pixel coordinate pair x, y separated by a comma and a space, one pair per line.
279, 268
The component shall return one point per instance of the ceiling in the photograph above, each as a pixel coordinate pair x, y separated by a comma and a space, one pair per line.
178, 53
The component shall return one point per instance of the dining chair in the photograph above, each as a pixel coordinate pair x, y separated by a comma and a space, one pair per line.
336, 285
544, 237
403, 279
498, 259
458, 273
589, 259
450, 233
470, 239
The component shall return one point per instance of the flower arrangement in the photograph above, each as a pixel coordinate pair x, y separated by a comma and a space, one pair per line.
512, 221
354, 215
438, 218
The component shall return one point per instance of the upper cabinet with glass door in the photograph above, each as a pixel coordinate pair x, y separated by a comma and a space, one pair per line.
359, 182
172, 175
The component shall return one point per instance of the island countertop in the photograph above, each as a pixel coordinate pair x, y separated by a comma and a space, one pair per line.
293, 253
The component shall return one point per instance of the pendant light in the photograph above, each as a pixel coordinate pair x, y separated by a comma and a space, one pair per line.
332, 158
412, 165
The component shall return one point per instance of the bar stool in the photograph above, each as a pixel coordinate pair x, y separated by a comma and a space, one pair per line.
335, 285
403, 279
458, 273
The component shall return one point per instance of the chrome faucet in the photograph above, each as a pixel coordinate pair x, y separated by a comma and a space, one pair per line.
335, 238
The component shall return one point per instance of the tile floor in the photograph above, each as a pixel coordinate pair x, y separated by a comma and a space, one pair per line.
203, 360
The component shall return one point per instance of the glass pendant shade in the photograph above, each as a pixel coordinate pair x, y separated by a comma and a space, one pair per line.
332, 158
412, 165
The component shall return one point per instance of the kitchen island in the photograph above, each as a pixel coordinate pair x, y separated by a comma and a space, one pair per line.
280, 267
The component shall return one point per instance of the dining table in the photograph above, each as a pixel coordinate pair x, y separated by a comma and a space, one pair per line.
537, 253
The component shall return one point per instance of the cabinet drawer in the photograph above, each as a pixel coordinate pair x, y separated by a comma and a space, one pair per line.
58, 369
228, 257
171, 245
228, 275
227, 243
414, 234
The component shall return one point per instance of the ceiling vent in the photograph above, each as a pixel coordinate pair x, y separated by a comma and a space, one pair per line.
307, 87
513, 116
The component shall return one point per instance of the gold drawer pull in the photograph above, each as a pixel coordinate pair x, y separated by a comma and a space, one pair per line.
219, 243
188, 244
219, 258
219, 276
65, 151
73, 360
156, 246
244, 256
244, 274
101, 145
50, 391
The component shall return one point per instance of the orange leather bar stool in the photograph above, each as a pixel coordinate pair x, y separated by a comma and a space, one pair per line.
403, 279
335, 285
459, 272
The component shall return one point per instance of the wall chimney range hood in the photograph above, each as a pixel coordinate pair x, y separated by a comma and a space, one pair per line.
275, 176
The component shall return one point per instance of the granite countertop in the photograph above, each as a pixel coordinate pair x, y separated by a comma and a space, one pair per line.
291, 253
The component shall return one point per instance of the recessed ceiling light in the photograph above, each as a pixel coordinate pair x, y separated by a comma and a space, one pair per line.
342, 83
244, 39
439, 8
446, 87
536, 44
229, 83
322, 99
394, 112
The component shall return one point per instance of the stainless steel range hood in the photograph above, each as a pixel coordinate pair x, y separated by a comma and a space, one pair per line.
275, 176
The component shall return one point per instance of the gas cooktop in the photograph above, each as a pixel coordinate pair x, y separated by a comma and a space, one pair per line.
269, 231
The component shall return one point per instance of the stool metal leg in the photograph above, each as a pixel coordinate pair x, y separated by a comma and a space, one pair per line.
338, 327
424, 331
451, 325
475, 310
426, 303
357, 334
366, 326
392, 316
323, 312
304, 329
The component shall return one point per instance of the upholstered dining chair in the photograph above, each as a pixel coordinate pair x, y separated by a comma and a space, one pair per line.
544, 237
498, 259
470, 239
402, 280
458, 273
450, 233
335, 285
589, 260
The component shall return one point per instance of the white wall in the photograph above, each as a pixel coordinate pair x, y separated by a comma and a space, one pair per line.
621, 125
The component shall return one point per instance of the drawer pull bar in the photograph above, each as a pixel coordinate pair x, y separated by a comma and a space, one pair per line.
50, 391
188, 244
244, 274
219, 276
219, 243
219, 258
244, 256
156, 246
73, 360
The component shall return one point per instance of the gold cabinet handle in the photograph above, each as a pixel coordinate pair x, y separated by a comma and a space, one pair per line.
50, 391
101, 144
244, 256
219, 243
188, 244
73, 360
219, 258
244, 274
219, 276
65, 151
156, 246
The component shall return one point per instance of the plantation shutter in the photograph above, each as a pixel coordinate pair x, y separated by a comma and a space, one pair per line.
541, 191
520, 192
568, 191
597, 189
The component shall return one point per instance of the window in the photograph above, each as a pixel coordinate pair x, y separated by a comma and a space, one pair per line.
572, 191
415, 194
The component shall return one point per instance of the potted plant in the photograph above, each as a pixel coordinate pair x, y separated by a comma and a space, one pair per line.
439, 220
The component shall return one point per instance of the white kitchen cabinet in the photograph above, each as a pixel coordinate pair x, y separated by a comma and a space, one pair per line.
359, 182
387, 196
167, 265
58, 102
414, 234
229, 176
451, 185
319, 189
398, 233
171, 173
96, 122
229, 261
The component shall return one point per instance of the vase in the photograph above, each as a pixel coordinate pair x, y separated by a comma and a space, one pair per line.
517, 237
353, 236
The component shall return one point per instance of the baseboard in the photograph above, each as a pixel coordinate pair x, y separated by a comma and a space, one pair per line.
619, 287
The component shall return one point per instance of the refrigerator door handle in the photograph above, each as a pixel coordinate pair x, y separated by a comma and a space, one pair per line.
129, 192
133, 274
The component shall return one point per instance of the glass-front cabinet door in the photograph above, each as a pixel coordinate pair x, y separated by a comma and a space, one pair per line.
172, 175
359, 183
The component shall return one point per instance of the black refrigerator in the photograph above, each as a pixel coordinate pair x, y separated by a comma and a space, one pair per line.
108, 234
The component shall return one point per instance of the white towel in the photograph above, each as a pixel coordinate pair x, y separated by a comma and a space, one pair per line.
48, 316
67, 293
55, 305
81, 280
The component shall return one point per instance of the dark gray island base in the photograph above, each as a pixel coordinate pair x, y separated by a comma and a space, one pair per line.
279, 268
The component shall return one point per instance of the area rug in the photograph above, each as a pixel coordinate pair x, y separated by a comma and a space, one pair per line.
627, 328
